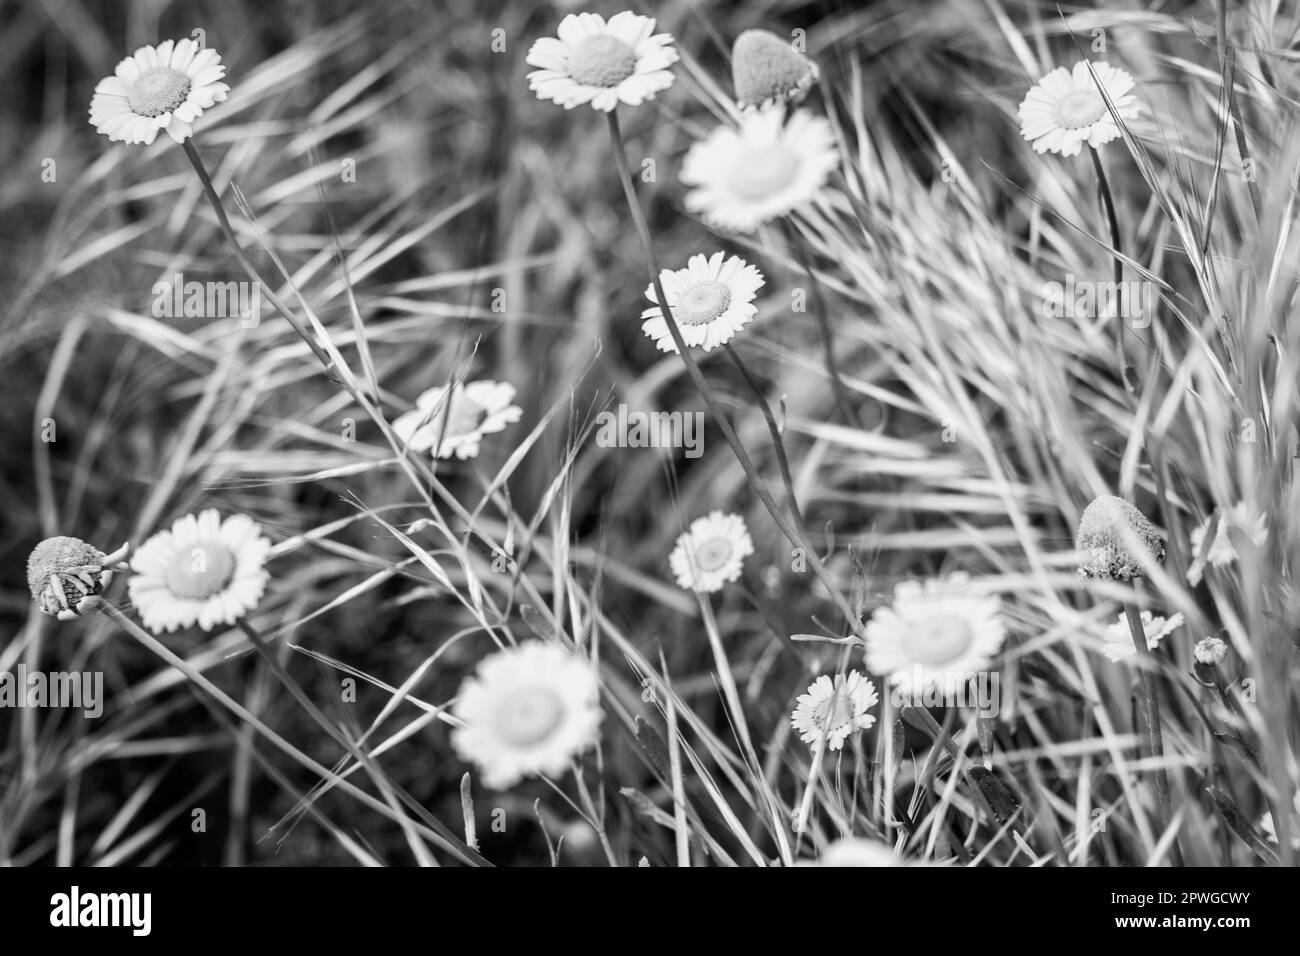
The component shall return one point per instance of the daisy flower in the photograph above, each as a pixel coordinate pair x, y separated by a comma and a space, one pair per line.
528, 710
937, 633
1115, 539
856, 851
166, 87
711, 299
1220, 550
604, 64
203, 571
763, 170
1210, 651
767, 70
712, 552
1065, 109
1119, 638
835, 710
476, 409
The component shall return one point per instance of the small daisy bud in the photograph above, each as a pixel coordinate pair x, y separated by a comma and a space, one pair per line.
1210, 651
62, 572
1109, 532
766, 69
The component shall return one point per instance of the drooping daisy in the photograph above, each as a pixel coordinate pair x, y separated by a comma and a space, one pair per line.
158, 88
476, 409
528, 710
712, 552
834, 710
1065, 109
604, 64
763, 170
1115, 539
1220, 551
1119, 638
711, 299
767, 70
63, 573
937, 633
203, 571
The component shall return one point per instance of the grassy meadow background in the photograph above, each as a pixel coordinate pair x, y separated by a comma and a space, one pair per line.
485, 235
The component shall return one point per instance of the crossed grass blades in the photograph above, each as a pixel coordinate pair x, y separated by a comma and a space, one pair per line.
897, 416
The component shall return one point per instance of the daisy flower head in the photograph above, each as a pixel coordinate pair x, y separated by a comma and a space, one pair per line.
604, 64
767, 70
857, 851
1115, 539
834, 709
711, 299
1066, 109
765, 169
63, 572
936, 634
712, 552
1119, 638
1219, 550
166, 87
527, 710
1210, 651
202, 571
460, 417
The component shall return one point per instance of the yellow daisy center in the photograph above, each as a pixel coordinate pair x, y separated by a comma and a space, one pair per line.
703, 304
464, 417
939, 640
601, 61
157, 91
713, 554
834, 712
529, 716
760, 175
1080, 109
201, 571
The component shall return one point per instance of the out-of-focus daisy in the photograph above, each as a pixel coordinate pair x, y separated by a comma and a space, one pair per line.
1065, 109
166, 87
835, 709
528, 710
711, 299
937, 633
712, 552
203, 571
765, 169
1210, 651
604, 64
1270, 828
857, 851
476, 409
767, 71
1119, 638
1220, 550
1114, 540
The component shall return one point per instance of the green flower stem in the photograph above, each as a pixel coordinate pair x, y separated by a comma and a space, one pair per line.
1146, 673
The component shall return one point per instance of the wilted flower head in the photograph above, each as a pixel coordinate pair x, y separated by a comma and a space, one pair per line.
1210, 651
164, 87
63, 571
1065, 109
604, 64
1111, 532
767, 70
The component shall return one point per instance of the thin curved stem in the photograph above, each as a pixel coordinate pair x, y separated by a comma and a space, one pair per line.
778, 442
